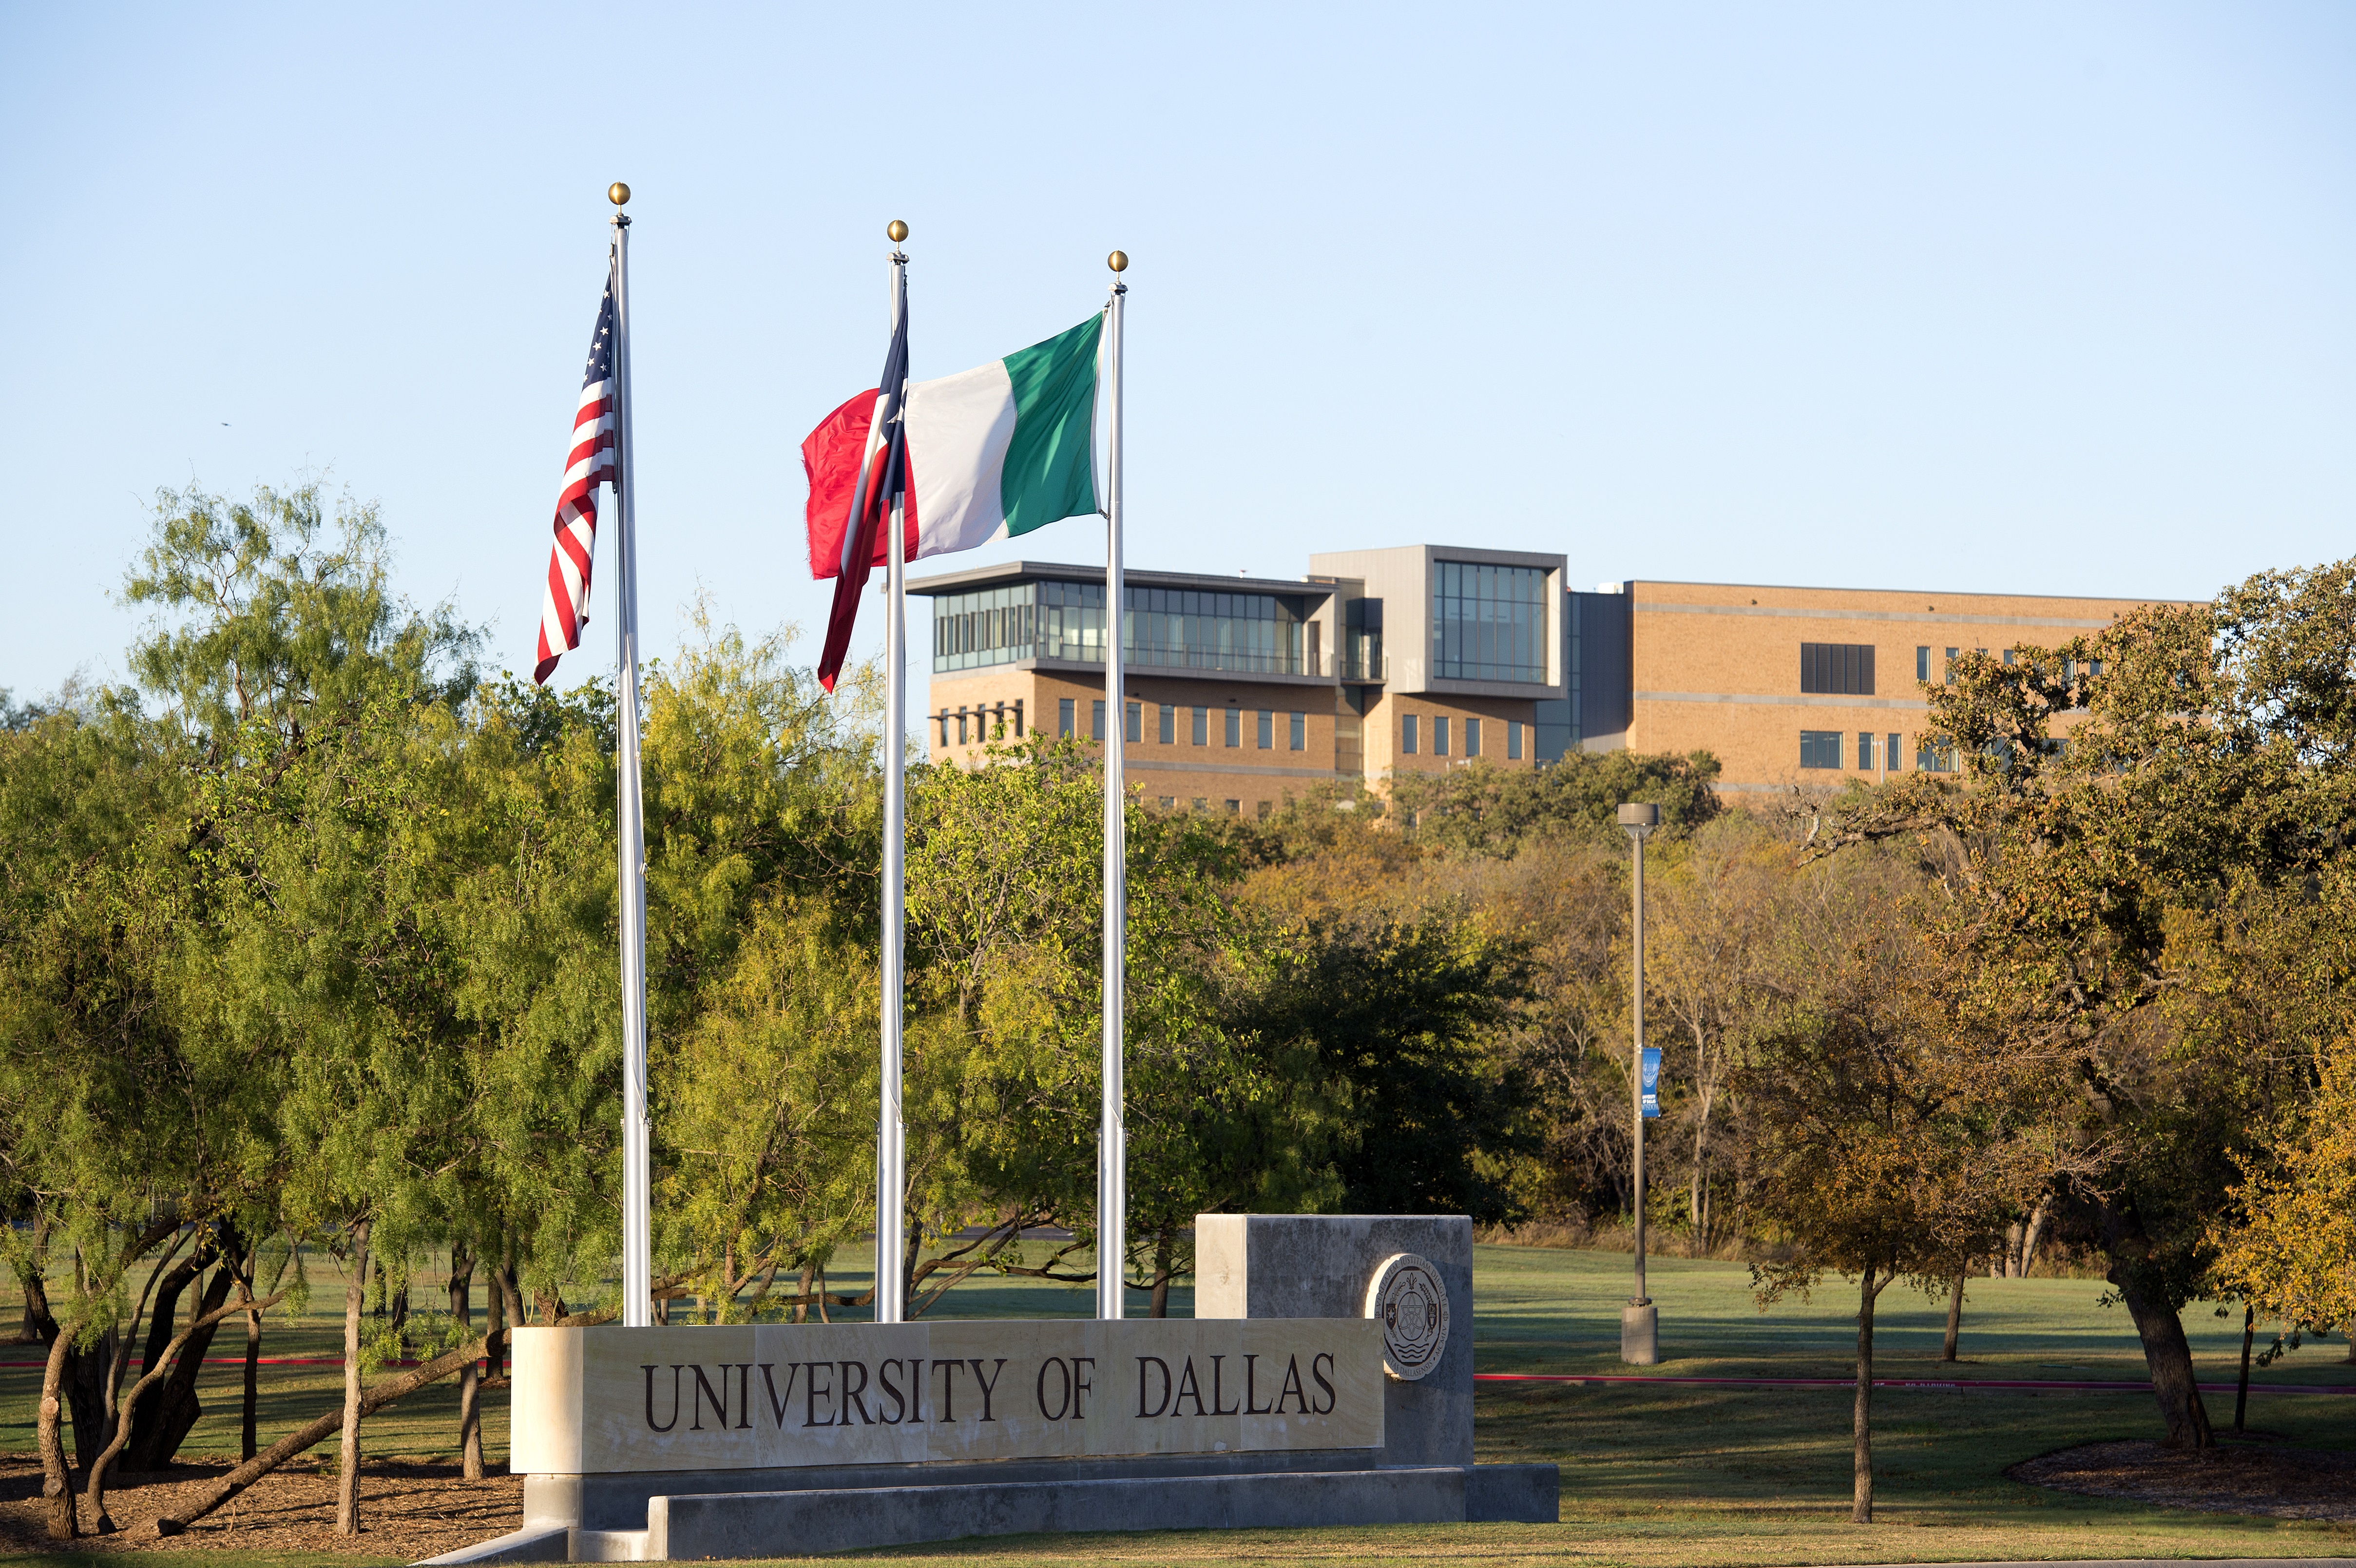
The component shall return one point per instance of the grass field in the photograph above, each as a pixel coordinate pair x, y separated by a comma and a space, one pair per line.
1658, 1473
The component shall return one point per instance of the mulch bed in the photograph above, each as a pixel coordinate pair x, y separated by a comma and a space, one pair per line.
2244, 1478
409, 1508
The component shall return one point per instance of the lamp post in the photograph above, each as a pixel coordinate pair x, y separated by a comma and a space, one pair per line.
1640, 1321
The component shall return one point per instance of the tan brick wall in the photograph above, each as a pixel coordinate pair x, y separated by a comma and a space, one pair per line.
1383, 731
1182, 772
1696, 644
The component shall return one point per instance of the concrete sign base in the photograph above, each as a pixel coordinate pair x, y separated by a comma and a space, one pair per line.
1375, 1296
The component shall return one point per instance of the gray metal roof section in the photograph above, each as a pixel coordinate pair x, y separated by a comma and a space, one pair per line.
1008, 572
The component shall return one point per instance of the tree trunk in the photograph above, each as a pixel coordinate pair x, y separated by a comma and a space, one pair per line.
56, 1483
2036, 1233
510, 1293
495, 1329
1162, 1261
295, 1442
165, 1322
85, 1396
175, 1356
2165, 1350
470, 1414
1955, 1314
2012, 1251
40, 1327
1861, 1425
348, 1468
248, 1431
2242, 1390
161, 1421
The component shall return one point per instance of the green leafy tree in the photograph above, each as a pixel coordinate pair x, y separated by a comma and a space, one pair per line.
1487, 809
2171, 762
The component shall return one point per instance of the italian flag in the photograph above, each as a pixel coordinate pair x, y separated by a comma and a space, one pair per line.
993, 451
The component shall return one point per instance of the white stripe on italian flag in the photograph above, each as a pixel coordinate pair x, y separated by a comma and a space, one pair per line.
1007, 447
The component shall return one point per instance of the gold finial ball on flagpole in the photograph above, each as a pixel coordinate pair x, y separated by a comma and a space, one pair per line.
896, 230
1118, 261
618, 193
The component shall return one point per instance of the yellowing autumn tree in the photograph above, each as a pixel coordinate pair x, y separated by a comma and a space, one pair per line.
2293, 1256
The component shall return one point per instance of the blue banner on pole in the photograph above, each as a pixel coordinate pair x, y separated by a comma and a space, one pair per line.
1652, 1083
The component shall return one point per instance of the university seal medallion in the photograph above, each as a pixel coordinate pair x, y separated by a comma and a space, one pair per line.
1408, 1299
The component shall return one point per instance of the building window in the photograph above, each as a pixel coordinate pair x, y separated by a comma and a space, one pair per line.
1199, 805
1472, 737
1132, 714
1264, 808
960, 716
1407, 735
1820, 747
1513, 740
1951, 665
1235, 736
1865, 751
1265, 731
1934, 758
1096, 720
1299, 732
1923, 664
1891, 753
1168, 801
1844, 667
994, 625
1202, 726
1234, 808
1063, 718
1488, 623
1168, 733
1440, 735
1174, 629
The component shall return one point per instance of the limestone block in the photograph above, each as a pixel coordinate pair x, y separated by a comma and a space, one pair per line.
606, 1400
1261, 1266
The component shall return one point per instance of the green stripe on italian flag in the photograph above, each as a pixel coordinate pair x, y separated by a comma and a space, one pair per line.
1007, 447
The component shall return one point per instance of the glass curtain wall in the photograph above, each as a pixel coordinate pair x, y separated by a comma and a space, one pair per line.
1488, 623
1164, 627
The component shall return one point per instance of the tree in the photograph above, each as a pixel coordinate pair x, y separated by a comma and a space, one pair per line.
2288, 1247
1005, 917
1401, 992
1896, 1137
2172, 764
1487, 809
1712, 970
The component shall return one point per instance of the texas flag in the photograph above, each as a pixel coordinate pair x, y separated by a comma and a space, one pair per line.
986, 454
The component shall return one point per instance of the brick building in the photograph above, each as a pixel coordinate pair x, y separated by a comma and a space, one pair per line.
1241, 689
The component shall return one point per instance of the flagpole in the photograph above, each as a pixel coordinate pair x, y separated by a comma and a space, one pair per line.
891, 1132
1112, 1139
637, 1284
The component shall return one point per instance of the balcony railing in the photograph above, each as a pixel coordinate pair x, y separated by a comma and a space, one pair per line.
1374, 669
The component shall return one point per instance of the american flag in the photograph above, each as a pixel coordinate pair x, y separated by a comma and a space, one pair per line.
566, 608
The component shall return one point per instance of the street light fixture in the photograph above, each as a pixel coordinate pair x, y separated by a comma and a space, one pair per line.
1639, 1320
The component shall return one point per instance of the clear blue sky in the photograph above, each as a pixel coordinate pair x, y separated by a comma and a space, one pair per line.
2029, 297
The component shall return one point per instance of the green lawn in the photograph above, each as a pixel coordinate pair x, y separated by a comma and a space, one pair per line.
1661, 1475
